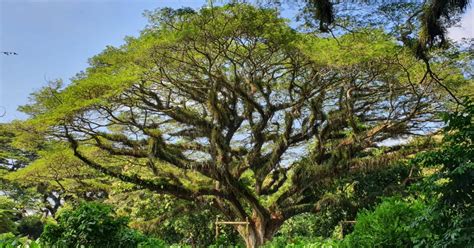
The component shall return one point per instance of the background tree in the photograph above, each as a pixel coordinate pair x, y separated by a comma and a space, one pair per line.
56, 176
41, 171
12, 158
231, 105
18, 204
432, 18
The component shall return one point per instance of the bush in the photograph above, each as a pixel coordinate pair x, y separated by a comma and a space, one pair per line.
389, 225
312, 225
301, 242
172, 220
93, 225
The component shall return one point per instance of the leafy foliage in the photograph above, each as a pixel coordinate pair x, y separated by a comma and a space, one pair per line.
389, 225
9, 240
443, 216
426, 21
31, 226
455, 157
7, 214
451, 216
301, 242
210, 105
363, 190
12, 158
228, 111
172, 220
93, 225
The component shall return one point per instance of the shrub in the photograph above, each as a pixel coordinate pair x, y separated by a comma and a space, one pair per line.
389, 225
301, 242
312, 225
93, 225
172, 220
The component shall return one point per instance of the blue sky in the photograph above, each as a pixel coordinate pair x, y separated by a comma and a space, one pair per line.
54, 39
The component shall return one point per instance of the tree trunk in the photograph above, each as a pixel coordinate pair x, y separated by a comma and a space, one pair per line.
259, 231
252, 239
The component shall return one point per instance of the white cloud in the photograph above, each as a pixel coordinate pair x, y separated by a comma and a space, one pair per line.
466, 29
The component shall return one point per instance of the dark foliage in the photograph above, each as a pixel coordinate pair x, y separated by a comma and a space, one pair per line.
31, 226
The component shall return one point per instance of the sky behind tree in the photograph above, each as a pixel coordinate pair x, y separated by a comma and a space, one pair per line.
55, 38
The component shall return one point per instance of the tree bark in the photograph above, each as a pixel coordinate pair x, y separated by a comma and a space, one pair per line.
259, 231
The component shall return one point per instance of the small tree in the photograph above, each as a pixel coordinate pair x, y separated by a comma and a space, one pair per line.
41, 175
224, 104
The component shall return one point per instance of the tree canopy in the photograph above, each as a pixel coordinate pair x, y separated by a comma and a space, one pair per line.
427, 21
231, 105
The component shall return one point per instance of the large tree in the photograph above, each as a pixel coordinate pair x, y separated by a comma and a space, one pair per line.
231, 105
